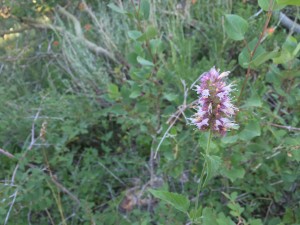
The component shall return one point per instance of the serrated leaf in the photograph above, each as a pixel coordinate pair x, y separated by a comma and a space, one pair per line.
195, 214
116, 8
223, 220
145, 7
251, 130
213, 163
144, 62
288, 2
209, 217
178, 201
235, 27
233, 173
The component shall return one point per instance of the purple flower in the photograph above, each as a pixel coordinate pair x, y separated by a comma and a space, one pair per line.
214, 107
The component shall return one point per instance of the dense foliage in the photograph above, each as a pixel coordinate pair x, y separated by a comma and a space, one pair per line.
96, 98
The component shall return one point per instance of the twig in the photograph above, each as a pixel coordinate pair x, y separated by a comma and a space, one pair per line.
111, 173
289, 128
78, 30
99, 25
33, 140
9, 155
2, 33
90, 45
175, 116
252, 53
11, 205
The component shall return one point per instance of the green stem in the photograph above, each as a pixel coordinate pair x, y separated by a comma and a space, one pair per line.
200, 185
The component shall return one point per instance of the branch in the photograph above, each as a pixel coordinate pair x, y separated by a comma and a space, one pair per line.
78, 31
2, 33
288, 23
90, 45
6, 153
289, 128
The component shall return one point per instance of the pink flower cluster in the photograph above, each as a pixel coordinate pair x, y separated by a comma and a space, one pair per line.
214, 107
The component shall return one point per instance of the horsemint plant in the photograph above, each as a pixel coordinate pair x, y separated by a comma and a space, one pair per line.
214, 112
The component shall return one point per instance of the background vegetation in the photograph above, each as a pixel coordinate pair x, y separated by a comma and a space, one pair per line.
91, 91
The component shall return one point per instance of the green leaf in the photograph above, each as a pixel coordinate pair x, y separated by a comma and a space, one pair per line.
195, 215
135, 94
134, 34
116, 8
145, 7
253, 101
209, 217
288, 2
179, 202
229, 139
213, 164
251, 130
235, 27
156, 45
113, 91
150, 33
144, 62
265, 5
223, 220
260, 56
170, 96
233, 173
288, 52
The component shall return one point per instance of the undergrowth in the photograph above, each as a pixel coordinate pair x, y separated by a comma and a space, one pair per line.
85, 133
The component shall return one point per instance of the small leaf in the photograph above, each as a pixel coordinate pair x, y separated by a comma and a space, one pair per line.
113, 91
150, 33
196, 214
229, 139
156, 45
213, 164
245, 55
170, 96
209, 217
235, 27
179, 202
135, 94
223, 220
288, 2
253, 101
233, 173
145, 7
134, 34
144, 62
265, 5
251, 130
116, 8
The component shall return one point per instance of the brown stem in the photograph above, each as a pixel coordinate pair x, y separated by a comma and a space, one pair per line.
269, 15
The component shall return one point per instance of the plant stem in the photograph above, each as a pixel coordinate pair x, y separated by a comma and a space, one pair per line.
269, 14
200, 185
